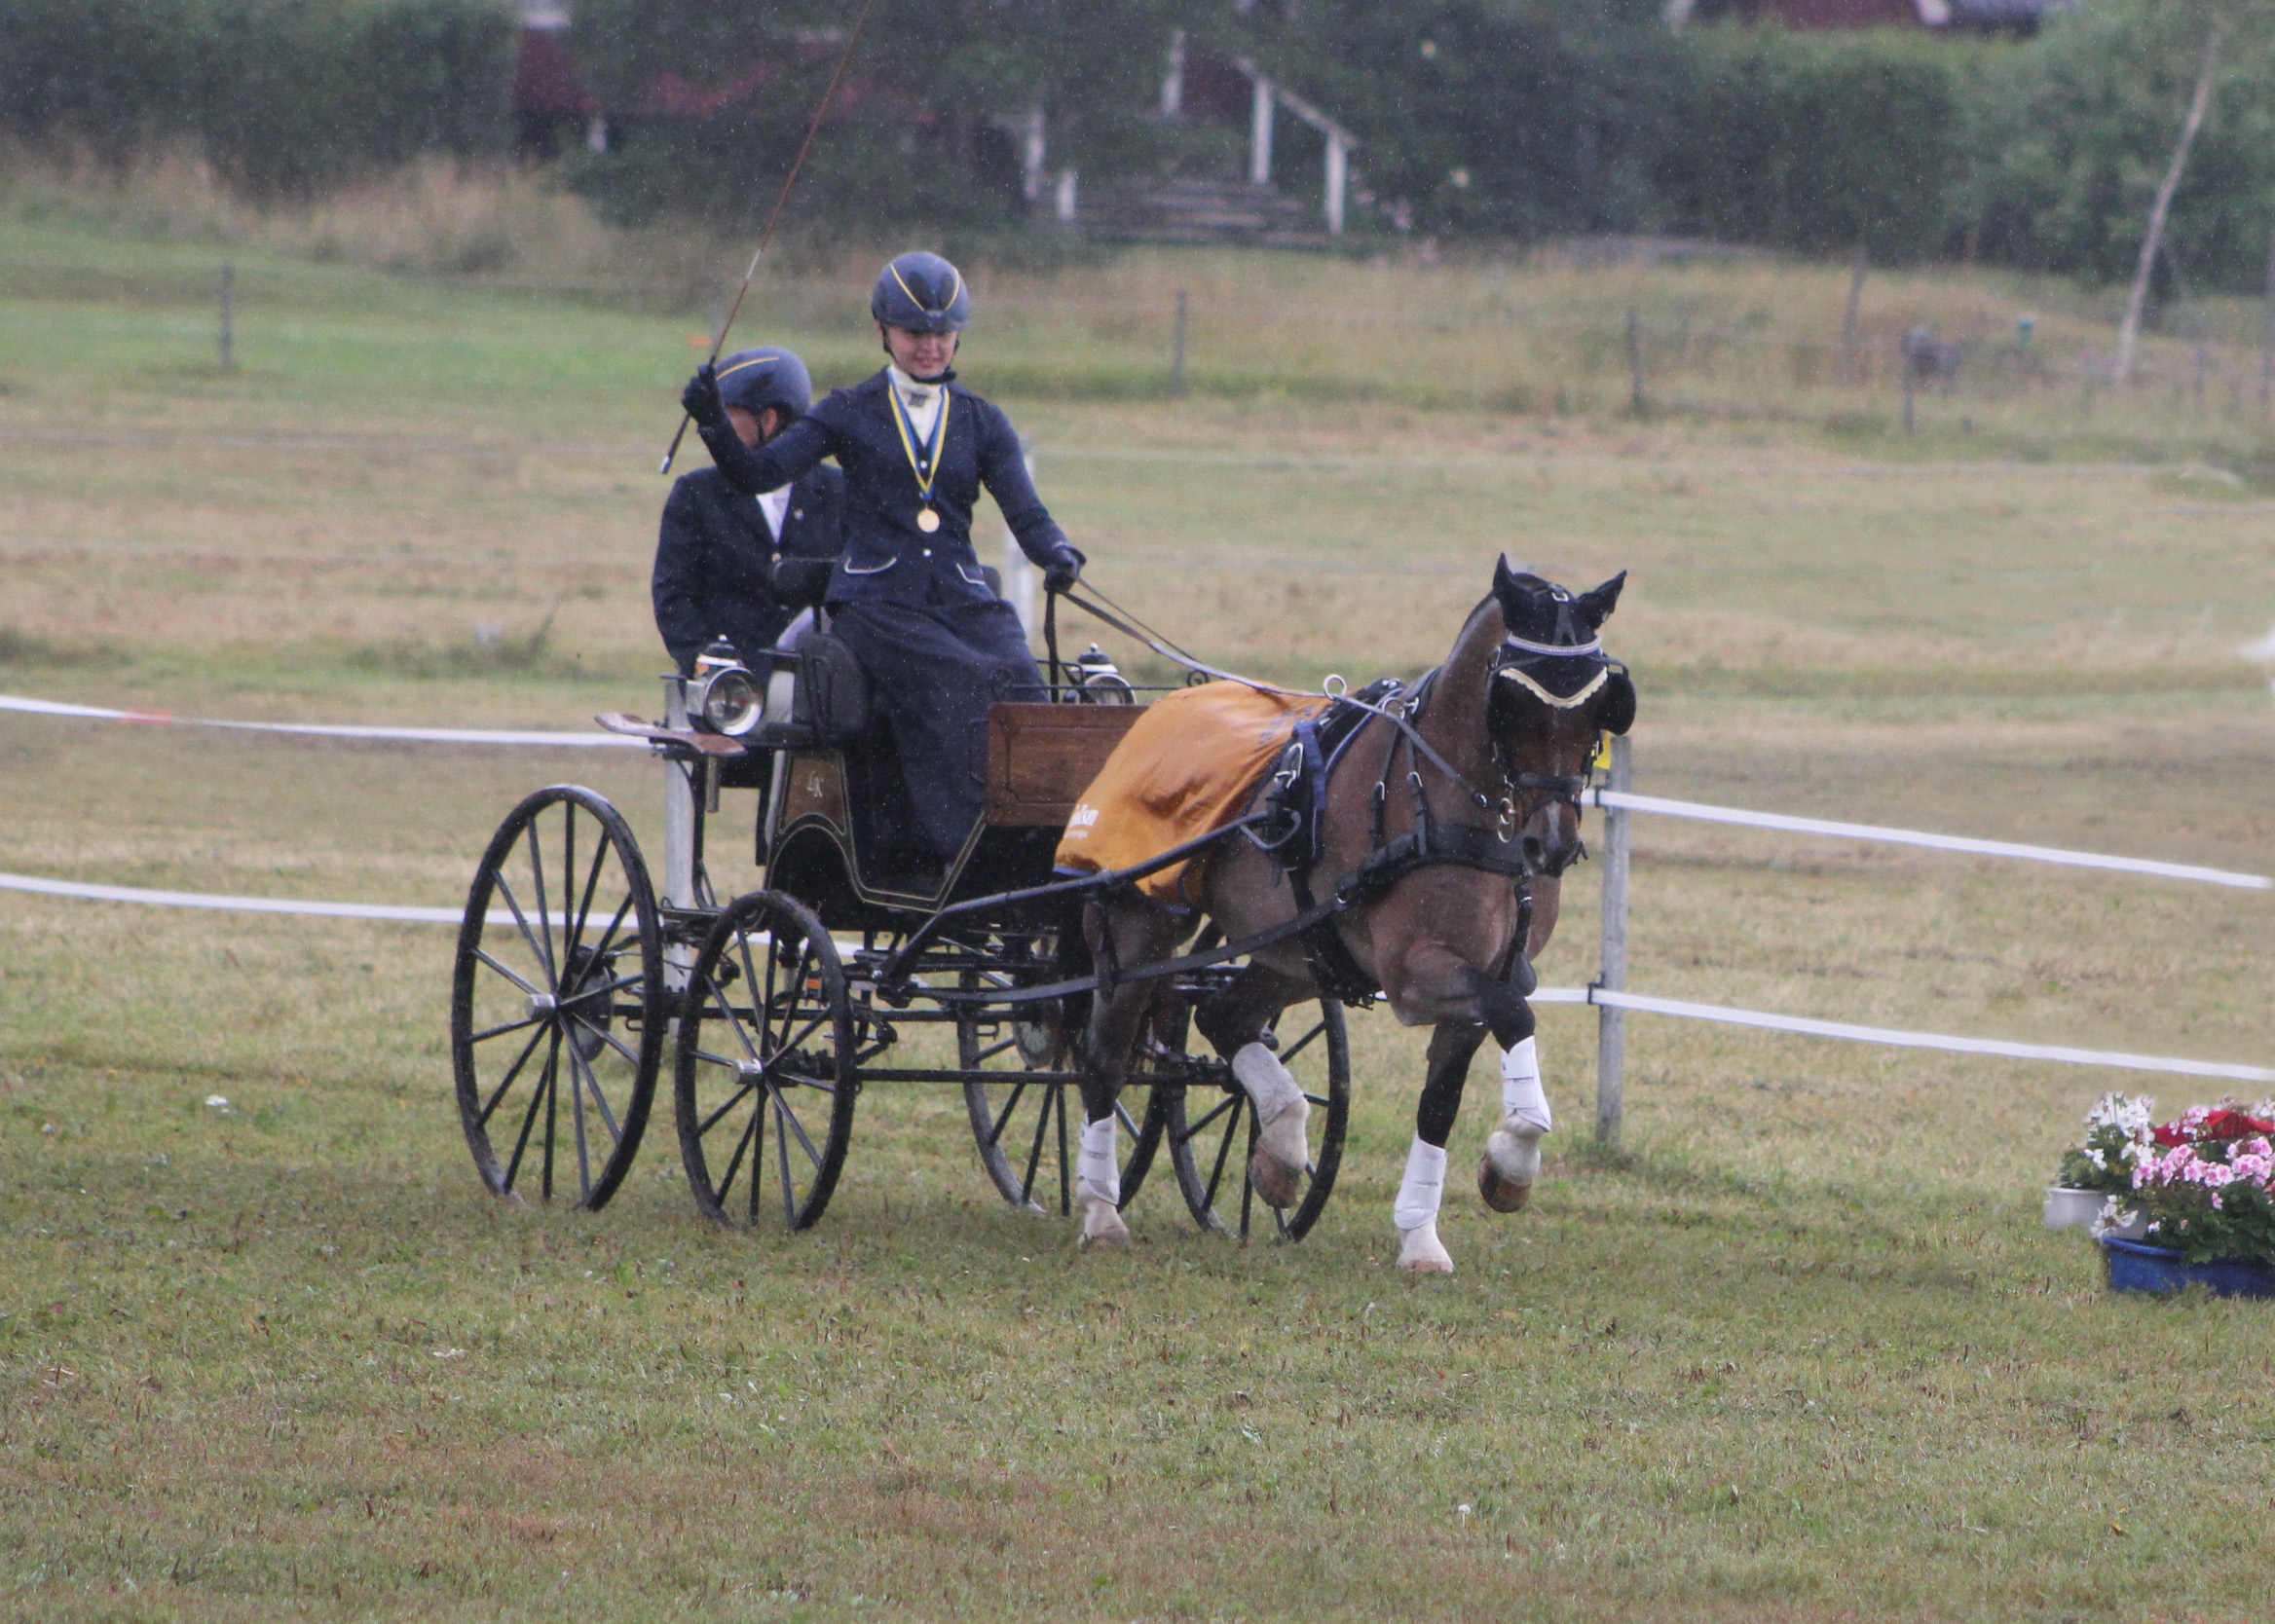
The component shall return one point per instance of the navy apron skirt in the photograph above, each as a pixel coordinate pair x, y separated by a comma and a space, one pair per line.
932, 670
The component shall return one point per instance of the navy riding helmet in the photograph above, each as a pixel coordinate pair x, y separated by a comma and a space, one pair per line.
757, 379
921, 293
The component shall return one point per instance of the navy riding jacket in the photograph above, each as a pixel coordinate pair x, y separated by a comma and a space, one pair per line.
887, 559
715, 560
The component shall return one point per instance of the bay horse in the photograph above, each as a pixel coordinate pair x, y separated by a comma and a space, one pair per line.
1452, 800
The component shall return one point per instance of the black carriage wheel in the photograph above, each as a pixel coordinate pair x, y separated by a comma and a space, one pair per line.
1208, 1127
558, 1005
1027, 1131
767, 1075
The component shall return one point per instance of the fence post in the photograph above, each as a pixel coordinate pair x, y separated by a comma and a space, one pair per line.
2267, 339
228, 315
1635, 363
1176, 353
1910, 422
1848, 320
1611, 1031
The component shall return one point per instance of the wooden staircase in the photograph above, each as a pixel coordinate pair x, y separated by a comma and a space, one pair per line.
1188, 211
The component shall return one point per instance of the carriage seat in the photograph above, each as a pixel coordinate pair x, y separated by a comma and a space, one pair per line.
817, 695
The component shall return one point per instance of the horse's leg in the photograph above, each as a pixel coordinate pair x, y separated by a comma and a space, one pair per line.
1511, 1161
1123, 933
1452, 1044
1234, 1022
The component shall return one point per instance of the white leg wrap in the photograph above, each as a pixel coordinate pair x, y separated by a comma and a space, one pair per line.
1258, 1070
1521, 1093
1283, 1152
1098, 1169
1422, 1190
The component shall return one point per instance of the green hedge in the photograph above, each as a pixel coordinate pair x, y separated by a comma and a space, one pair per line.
1818, 143
283, 97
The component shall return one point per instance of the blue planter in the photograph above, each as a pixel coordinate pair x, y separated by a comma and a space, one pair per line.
2134, 1266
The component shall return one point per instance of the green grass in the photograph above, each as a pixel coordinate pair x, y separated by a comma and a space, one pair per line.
1799, 1353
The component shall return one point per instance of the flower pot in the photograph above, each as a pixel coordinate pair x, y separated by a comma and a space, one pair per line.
2135, 1267
2069, 1208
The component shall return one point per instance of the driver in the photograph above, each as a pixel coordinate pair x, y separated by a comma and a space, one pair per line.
717, 547
908, 594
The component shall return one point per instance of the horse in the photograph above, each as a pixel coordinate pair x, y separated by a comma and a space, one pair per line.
1447, 824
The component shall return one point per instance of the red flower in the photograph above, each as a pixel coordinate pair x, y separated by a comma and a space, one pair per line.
2169, 1135
2232, 1125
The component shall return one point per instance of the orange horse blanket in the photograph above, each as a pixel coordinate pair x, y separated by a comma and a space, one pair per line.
1188, 765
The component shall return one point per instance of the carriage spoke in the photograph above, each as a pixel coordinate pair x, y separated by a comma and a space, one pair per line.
616, 986
1066, 1164
610, 1039
782, 1109
736, 1098
583, 1069
609, 937
511, 1072
1247, 1187
483, 954
488, 1033
583, 911
576, 1120
540, 1096
1035, 1155
782, 1159
1216, 1173
1303, 1042
541, 951
536, 868
742, 1143
986, 1054
1230, 1102
996, 1133
552, 1111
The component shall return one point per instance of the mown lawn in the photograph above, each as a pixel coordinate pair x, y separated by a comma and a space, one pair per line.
1800, 1352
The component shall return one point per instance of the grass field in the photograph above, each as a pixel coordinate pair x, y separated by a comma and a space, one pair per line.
1800, 1352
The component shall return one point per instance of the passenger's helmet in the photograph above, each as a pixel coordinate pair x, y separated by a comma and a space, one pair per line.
923, 293
757, 379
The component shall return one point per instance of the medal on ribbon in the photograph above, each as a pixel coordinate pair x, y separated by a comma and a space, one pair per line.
923, 459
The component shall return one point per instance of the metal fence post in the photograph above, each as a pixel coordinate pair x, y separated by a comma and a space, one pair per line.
1611, 1032
1176, 353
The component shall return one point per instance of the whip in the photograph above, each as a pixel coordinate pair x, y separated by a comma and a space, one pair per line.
775, 216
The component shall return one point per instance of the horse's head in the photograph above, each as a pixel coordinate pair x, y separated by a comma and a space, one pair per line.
1554, 694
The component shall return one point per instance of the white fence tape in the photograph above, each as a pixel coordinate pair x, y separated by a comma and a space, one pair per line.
1631, 802
329, 731
1600, 996
2058, 1053
238, 905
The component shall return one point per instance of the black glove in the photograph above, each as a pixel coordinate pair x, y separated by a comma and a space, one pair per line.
700, 399
1063, 570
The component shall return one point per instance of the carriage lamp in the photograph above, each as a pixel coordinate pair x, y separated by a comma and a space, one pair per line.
723, 693
1100, 681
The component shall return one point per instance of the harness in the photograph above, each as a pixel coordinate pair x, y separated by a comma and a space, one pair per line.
1296, 833
1291, 828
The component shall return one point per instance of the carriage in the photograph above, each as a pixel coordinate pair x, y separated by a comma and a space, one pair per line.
577, 983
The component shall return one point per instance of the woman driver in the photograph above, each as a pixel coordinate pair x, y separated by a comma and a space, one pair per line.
908, 594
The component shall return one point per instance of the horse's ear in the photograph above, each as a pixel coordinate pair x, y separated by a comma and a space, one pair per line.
1505, 581
1595, 608
1618, 708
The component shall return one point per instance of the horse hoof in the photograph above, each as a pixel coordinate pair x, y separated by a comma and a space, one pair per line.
1102, 1228
1510, 1165
1282, 1156
1421, 1252
1501, 1194
1275, 1183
